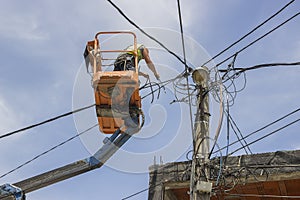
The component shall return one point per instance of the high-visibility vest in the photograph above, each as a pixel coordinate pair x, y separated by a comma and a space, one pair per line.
140, 49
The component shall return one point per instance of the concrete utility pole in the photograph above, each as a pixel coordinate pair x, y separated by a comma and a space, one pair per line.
200, 188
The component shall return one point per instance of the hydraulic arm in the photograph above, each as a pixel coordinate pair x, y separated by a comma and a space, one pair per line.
18, 190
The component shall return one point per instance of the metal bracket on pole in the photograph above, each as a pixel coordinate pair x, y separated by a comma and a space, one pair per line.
11, 190
204, 187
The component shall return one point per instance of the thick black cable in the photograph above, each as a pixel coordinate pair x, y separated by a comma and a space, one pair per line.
186, 70
45, 152
232, 122
162, 84
151, 85
240, 70
244, 147
196, 148
228, 123
181, 31
140, 29
151, 187
261, 37
243, 70
157, 89
262, 128
233, 127
246, 35
267, 135
262, 196
146, 189
44, 122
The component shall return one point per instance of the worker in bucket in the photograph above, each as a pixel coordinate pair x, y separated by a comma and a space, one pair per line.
125, 61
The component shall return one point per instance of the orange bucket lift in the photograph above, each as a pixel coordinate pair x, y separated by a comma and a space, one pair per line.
116, 92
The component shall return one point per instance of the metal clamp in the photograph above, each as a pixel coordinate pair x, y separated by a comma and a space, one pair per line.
204, 187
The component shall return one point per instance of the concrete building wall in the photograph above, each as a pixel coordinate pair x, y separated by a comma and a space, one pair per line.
171, 181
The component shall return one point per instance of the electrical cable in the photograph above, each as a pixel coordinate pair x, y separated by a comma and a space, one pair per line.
154, 90
221, 115
231, 93
144, 190
261, 37
267, 135
140, 29
197, 120
219, 151
186, 69
45, 152
148, 188
184, 62
253, 30
221, 164
163, 84
149, 84
232, 122
221, 160
44, 122
262, 128
181, 33
238, 138
263, 196
227, 111
273, 166
188, 90
265, 65
152, 38
151, 187
237, 71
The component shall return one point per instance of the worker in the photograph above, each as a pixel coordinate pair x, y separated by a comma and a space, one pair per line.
126, 60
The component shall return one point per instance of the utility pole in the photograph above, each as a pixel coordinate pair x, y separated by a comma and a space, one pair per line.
200, 188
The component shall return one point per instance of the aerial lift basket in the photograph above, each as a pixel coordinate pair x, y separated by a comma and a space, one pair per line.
116, 92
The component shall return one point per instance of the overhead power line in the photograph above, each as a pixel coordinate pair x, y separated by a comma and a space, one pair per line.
267, 135
137, 193
186, 69
144, 32
264, 196
240, 70
146, 189
260, 129
44, 122
181, 31
233, 126
46, 152
151, 187
249, 33
258, 39
161, 85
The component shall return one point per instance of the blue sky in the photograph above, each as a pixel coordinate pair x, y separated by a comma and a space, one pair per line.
42, 76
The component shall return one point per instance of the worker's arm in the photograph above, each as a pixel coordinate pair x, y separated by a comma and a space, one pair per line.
144, 74
150, 63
